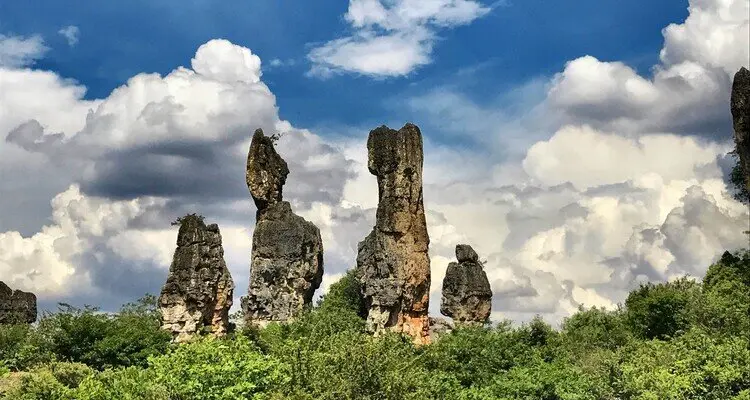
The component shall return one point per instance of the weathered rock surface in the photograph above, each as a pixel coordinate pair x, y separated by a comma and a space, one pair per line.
392, 262
16, 307
266, 171
198, 293
467, 296
740, 104
286, 264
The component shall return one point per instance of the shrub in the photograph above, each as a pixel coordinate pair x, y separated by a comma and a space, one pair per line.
39, 384
661, 311
345, 294
475, 355
218, 369
123, 384
102, 340
694, 366
22, 347
595, 328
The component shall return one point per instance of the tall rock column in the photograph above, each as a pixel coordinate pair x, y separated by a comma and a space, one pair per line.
198, 291
392, 262
16, 307
740, 104
286, 265
467, 296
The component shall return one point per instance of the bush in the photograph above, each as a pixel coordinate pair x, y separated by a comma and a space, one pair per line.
102, 340
696, 365
345, 294
475, 355
22, 348
218, 369
40, 384
123, 384
661, 311
542, 380
595, 328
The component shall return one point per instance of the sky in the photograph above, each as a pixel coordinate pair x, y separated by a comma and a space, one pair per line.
579, 147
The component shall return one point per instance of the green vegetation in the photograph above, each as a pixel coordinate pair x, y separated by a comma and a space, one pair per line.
676, 340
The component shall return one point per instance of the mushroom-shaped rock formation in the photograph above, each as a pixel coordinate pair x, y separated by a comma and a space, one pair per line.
392, 262
740, 104
286, 264
467, 296
16, 307
198, 292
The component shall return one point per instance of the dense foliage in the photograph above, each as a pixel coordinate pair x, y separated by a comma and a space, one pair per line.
678, 340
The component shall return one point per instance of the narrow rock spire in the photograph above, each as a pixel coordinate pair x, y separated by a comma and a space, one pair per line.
286, 265
392, 262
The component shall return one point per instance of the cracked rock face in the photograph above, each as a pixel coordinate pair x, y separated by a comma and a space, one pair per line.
392, 261
740, 104
16, 307
198, 293
286, 264
467, 296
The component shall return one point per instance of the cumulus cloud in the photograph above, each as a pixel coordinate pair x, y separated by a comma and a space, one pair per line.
52, 262
238, 63
698, 60
71, 33
391, 38
179, 140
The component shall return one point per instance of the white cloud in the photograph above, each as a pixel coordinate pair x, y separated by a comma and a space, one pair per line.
50, 263
391, 38
19, 51
698, 59
716, 33
177, 143
587, 158
71, 33
237, 63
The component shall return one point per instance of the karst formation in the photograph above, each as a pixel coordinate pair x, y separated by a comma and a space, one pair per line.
198, 293
286, 265
467, 296
16, 307
740, 103
392, 261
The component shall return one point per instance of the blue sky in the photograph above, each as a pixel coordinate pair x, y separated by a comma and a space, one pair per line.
516, 42
579, 146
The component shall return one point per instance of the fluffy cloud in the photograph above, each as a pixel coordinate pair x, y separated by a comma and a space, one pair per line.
18, 51
698, 60
177, 143
53, 261
391, 38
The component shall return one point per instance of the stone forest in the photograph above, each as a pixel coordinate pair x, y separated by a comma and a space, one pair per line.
371, 336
